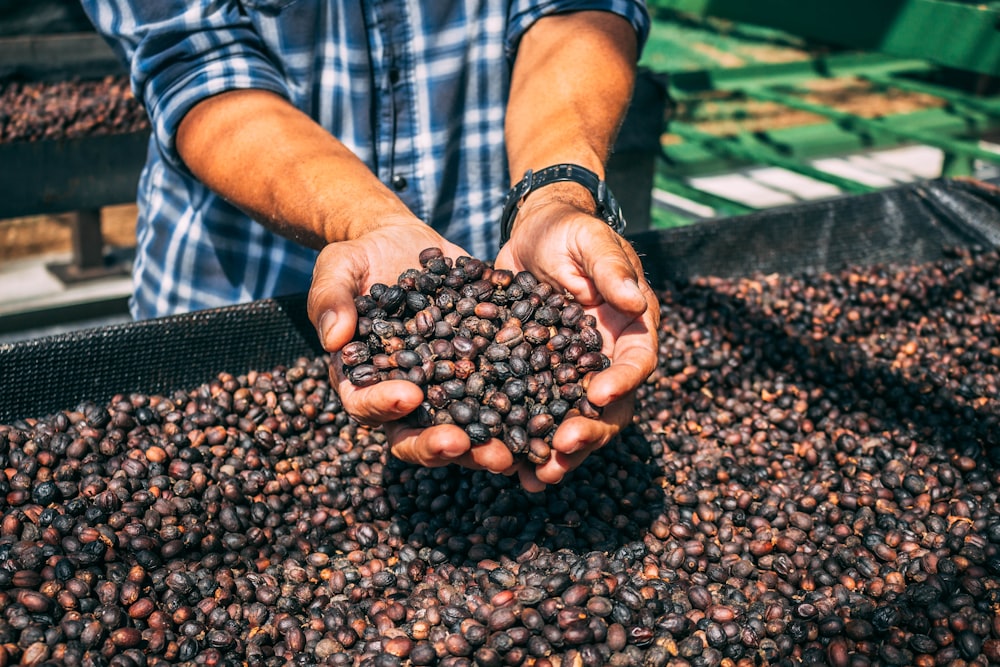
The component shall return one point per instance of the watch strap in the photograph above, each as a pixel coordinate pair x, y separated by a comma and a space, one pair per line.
608, 208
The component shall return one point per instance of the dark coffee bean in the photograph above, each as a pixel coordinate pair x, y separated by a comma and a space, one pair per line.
558, 408
969, 644
443, 329
547, 315
517, 439
591, 338
525, 280
808, 477
406, 358
700, 597
45, 493
571, 315
487, 310
540, 425
538, 451
464, 349
126, 637
355, 353
497, 352
478, 432
923, 644
588, 409
509, 335
427, 254
33, 601
364, 375
463, 412
591, 361
522, 310
475, 385
491, 419
858, 629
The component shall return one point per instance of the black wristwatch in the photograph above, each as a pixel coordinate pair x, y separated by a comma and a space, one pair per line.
607, 206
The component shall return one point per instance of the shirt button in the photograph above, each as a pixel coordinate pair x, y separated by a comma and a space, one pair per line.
393, 76
399, 183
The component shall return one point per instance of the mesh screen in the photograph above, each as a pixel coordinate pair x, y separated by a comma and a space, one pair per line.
908, 224
912, 223
153, 356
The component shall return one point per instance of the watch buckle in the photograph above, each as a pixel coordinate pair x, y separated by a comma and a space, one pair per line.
528, 183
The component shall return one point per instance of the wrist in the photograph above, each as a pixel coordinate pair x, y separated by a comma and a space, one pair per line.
565, 193
372, 218
568, 184
552, 202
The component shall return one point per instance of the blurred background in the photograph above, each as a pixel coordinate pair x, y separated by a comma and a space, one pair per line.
740, 107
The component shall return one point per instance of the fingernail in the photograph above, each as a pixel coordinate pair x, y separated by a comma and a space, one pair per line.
452, 453
633, 287
326, 323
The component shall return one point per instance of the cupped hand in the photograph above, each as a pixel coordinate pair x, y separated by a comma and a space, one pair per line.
348, 269
571, 249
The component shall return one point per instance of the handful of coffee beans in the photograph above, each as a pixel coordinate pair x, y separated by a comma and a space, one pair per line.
500, 354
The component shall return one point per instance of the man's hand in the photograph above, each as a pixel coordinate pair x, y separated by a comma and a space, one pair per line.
570, 87
569, 248
348, 269
311, 188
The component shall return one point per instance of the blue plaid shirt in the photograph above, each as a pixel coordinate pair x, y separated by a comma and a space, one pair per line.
416, 89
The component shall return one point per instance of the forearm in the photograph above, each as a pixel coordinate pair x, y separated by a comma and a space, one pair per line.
570, 88
269, 159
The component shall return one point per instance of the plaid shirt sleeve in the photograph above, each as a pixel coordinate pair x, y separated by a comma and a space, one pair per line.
417, 89
182, 52
523, 14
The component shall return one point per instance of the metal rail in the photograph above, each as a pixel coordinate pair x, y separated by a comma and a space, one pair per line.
957, 98
51, 177
57, 57
882, 125
734, 147
77, 176
955, 127
952, 33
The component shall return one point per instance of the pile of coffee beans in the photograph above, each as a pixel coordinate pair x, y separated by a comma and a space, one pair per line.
33, 111
502, 355
811, 478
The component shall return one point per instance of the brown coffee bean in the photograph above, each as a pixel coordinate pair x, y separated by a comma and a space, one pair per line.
126, 637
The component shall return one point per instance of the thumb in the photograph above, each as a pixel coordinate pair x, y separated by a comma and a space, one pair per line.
336, 281
615, 277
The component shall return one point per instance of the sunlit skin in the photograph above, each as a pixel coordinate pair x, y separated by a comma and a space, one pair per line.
556, 236
570, 86
358, 268
616, 293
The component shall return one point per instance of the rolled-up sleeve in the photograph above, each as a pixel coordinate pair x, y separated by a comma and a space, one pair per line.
523, 14
179, 53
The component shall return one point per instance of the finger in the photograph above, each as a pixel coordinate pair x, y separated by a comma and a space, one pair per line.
380, 403
614, 382
492, 455
628, 370
559, 464
614, 276
632, 360
550, 260
529, 481
578, 433
514, 469
432, 447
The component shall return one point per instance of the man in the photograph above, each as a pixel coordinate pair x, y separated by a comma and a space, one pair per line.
359, 133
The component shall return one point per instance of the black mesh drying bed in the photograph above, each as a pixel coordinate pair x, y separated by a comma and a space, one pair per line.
912, 223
